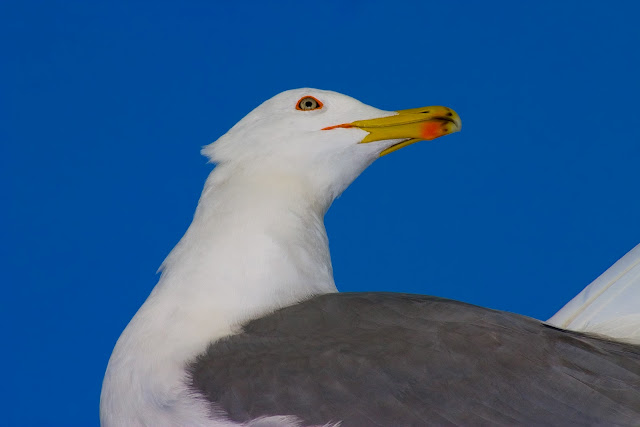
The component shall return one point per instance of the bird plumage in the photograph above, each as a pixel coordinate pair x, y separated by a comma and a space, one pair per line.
380, 359
257, 244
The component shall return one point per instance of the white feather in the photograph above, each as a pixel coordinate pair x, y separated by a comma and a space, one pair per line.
610, 305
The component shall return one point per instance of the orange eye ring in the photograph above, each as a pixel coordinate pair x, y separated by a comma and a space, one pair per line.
308, 103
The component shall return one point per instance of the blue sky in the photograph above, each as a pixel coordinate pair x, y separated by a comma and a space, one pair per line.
105, 106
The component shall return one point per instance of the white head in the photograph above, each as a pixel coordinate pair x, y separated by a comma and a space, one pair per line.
324, 138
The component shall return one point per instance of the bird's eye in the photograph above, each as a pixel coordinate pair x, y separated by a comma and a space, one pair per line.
308, 103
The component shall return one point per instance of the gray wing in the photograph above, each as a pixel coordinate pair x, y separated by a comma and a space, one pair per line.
383, 359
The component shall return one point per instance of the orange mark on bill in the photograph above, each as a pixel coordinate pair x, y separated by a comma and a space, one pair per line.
432, 130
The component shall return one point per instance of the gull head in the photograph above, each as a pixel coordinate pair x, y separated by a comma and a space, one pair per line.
321, 138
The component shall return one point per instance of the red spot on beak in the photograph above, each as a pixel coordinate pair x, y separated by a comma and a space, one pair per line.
432, 130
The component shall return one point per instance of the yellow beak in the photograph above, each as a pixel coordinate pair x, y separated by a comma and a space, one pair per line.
416, 124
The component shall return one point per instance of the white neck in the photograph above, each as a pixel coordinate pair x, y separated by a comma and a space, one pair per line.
256, 243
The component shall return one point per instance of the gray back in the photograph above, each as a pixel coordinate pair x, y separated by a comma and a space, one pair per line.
385, 359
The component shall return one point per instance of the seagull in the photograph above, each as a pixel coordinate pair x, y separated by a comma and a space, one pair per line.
246, 328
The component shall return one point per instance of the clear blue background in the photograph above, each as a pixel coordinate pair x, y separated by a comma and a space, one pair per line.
105, 105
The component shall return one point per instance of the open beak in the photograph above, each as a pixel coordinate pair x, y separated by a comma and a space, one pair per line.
413, 125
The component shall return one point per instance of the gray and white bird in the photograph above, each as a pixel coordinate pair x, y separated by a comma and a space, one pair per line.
246, 327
